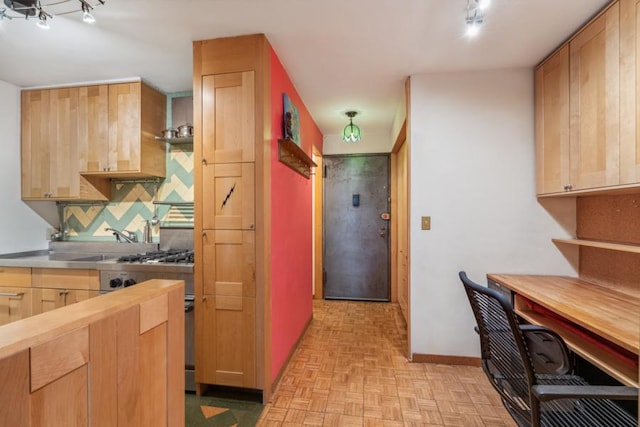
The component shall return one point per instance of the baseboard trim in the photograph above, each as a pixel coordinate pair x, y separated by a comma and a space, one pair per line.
276, 381
446, 360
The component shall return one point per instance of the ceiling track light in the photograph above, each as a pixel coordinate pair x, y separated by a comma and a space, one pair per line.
42, 19
86, 12
475, 16
45, 10
351, 132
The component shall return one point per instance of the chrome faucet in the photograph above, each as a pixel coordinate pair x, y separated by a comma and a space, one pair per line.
124, 235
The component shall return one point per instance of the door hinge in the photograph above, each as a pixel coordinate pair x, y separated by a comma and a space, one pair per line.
324, 171
324, 277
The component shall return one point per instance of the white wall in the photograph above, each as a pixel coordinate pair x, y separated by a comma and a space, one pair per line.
473, 172
21, 228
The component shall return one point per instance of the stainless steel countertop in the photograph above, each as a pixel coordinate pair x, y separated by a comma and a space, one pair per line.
86, 260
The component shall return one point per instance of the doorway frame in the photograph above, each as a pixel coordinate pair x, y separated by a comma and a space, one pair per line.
318, 225
390, 222
401, 140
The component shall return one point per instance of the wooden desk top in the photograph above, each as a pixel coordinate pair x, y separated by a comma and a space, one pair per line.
612, 315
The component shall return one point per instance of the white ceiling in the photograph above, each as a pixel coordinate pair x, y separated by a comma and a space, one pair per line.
340, 54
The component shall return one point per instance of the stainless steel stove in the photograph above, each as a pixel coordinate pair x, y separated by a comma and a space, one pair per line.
172, 260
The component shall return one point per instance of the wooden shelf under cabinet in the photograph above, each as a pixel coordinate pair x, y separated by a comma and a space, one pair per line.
591, 352
622, 247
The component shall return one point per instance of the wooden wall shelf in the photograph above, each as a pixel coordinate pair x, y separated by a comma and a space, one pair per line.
602, 245
293, 156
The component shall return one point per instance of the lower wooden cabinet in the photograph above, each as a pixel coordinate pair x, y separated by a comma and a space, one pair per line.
15, 304
47, 299
57, 287
227, 341
15, 294
225, 310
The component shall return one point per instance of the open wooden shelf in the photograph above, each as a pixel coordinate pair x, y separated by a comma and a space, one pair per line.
602, 245
594, 354
293, 156
188, 140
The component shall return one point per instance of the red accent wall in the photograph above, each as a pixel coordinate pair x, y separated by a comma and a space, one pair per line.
291, 233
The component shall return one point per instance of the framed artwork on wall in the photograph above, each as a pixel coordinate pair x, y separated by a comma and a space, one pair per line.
291, 120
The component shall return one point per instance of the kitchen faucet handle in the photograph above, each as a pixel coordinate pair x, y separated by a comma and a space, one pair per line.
131, 235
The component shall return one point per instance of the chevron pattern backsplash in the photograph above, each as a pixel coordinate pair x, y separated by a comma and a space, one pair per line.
132, 202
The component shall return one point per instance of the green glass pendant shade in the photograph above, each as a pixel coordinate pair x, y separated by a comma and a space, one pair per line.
351, 132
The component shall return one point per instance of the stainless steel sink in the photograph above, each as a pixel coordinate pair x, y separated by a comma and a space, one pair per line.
64, 256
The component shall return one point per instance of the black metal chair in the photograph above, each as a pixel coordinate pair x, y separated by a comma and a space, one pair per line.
529, 367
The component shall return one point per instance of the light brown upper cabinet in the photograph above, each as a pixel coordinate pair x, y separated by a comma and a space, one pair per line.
49, 146
586, 107
93, 128
629, 94
228, 110
594, 93
136, 114
552, 123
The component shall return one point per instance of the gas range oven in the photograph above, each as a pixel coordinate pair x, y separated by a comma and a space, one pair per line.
173, 260
138, 267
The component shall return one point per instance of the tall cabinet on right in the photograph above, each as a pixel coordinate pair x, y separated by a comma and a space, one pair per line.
587, 144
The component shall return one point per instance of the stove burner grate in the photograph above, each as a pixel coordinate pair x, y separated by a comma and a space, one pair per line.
168, 256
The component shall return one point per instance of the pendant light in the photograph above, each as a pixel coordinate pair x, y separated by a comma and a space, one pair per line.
351, 132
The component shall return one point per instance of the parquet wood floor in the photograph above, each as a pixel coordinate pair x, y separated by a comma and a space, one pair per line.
350, 370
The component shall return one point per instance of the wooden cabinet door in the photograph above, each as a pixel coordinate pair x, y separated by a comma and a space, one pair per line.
124, 127
594, 103
47, 299
15, 304
36, 161
225, 348
93, 128
228, 261
552, 123
76, 295
50, 167
228, 122
629, 93
227, 344
228, 199
63, 125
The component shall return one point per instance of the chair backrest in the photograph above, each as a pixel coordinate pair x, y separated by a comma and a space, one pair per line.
505, 357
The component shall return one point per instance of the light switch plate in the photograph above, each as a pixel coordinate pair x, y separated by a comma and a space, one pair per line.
426, 223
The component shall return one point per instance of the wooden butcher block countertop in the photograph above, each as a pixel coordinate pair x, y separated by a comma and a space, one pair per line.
601, 313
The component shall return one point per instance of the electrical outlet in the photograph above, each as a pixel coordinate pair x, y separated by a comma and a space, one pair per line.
426, 223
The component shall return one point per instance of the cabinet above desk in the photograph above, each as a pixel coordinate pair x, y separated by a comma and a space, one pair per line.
600, 324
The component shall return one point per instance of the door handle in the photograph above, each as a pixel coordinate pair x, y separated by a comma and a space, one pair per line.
12, 294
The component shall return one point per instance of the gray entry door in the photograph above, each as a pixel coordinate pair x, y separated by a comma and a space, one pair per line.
356, 239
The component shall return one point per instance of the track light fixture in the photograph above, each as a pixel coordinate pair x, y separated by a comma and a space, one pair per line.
475, 15
351, 132
45, 10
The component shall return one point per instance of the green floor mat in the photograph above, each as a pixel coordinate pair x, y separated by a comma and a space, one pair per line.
206, 411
